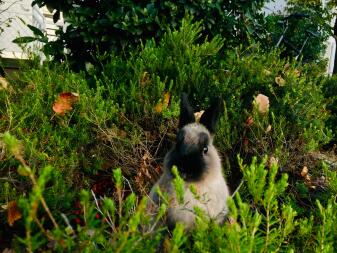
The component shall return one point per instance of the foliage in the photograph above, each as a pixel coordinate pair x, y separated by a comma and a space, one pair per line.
127, 120
330, 92
263, 221
97, 27
309, 32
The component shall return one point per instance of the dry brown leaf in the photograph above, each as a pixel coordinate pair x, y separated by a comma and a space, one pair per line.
3, 83
64, 102
262, 103
13, 212
287, 66
304, 171
280, 81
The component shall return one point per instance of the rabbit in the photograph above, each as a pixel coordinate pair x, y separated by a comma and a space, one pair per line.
199, 164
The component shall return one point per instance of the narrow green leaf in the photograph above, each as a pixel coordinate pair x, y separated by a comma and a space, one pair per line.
36, 31
24, 40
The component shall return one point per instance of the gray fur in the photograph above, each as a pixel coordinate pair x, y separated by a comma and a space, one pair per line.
210, 185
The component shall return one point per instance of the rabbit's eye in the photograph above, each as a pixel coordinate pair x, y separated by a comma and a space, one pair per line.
205, 150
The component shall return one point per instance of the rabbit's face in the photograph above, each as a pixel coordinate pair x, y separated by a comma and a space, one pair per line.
194, 154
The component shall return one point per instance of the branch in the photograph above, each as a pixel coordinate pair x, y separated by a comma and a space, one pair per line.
2, 11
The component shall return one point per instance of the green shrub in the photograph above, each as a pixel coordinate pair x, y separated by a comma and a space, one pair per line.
315, 28
128, 120
98, 27
263, 221
330, 92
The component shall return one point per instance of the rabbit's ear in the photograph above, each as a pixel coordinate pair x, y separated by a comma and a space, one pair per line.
186, 111
211, 116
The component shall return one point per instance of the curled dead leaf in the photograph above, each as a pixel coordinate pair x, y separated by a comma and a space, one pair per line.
262, 103
13, 212
304, 171
280, 81
64, 102
307, 178
268, 129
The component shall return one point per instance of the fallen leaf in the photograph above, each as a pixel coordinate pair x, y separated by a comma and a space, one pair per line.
13, 212
249, 121
307, 178
3, 83
304, 171
262, 103
268, 129
287, 66
280, 81
64, 102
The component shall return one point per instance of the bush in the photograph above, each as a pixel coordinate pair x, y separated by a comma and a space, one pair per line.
127, 120
330, 92
261, 222
315, 28
99, 27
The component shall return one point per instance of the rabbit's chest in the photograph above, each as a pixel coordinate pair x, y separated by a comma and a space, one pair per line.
210, 198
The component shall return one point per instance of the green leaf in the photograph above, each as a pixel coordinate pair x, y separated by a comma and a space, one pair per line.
24, 40
36, 31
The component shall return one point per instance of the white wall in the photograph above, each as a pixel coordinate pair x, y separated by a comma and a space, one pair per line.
22, 9
274, 6
38, 17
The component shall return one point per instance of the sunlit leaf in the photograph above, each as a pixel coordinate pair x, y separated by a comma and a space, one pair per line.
280, 81
64, 103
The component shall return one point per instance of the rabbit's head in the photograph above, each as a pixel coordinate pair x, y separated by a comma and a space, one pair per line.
194, 153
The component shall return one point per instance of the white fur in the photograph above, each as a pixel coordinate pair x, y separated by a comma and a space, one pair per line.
211, 189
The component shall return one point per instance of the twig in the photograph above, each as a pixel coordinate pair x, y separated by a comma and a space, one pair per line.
2, 11
43, 230
237, 188
44, 204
